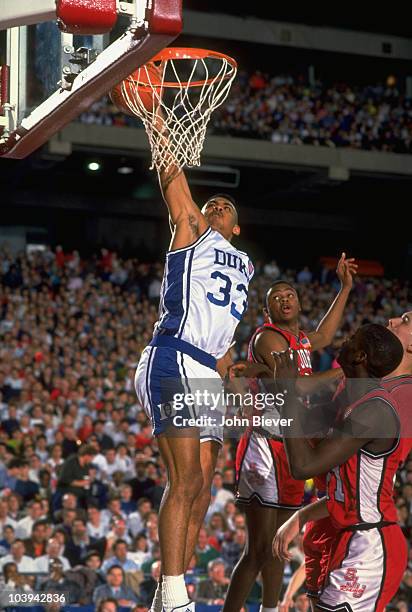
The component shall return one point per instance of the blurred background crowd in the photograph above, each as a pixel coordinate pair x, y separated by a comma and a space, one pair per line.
80, 475
289, 109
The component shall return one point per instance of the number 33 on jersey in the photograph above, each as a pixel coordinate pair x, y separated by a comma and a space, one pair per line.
204, 293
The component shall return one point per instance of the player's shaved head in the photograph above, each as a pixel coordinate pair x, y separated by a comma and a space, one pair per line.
376, 346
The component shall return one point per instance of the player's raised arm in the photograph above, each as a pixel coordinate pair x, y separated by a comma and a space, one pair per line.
186, 221
185, 215
329, 325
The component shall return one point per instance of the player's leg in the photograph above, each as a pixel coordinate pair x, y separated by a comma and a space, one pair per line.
272, 571
208, 456
181, 455
261, 525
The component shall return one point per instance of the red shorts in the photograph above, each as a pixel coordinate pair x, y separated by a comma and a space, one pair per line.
317, 544
365, 569
262, 473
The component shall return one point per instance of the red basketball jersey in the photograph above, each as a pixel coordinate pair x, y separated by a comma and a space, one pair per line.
400, 389
299, 343
360, 491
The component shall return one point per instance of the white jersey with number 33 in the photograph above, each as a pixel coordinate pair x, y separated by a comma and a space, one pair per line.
204, 293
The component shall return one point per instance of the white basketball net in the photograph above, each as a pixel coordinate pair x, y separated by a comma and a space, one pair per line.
177, 119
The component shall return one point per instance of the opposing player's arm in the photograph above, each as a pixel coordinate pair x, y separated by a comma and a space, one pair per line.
266, 342
372, 425
330, 323
306, 385
290, 529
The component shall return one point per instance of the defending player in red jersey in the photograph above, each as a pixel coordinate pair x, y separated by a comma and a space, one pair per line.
369, 552
266, 491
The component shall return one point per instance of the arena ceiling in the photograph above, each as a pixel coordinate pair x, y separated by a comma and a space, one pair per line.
376, 19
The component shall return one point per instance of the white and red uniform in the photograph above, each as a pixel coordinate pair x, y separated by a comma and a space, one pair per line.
319, 535
369, 553
262, 469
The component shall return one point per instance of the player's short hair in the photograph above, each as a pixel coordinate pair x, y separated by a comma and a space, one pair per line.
225, 196
383, 349
276, 284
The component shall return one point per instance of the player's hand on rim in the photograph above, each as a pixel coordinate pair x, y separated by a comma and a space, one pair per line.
284, 536
346, 270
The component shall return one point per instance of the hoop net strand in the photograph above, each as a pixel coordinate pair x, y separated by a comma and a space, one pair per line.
185, 108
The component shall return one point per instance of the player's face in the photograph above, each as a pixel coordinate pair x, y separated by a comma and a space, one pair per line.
402, 328
351, 350
222, 217
283, 304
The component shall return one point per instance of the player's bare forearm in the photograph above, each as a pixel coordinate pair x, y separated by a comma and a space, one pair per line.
327, 328
313, 512
298, 578
306, 385
304, 460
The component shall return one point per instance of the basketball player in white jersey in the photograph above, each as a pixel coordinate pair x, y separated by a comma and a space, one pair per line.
203, 298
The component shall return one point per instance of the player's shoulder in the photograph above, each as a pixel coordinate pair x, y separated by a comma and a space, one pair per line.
270, 337
398, 384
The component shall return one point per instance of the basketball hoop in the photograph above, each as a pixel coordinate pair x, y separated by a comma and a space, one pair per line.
174, 95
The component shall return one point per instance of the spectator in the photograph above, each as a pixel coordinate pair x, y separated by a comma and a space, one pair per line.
135, 520
140, 551
96, 525
120, 558
74, 475
213, 590
58, 583
107, 605
98, 492
142, 486
13, 580
53, 550
80, 544
204, 552
24, 563
35, 546
149, 586
5, 519
231, 551
25, 487
127, 503
115, 589
7, 540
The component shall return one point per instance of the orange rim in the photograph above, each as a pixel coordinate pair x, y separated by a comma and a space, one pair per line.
184, 53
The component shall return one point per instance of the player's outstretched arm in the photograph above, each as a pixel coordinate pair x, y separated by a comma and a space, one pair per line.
371, 425
330, 323
185, 216
186, 221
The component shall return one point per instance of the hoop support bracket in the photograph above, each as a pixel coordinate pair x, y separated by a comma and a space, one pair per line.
133, 49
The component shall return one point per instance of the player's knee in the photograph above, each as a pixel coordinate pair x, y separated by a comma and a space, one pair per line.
187, 486
260, 550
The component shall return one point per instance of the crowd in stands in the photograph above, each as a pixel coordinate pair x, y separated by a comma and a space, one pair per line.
290, 110
80, 475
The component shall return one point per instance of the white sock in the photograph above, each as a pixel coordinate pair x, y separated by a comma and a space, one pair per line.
263, 609
157, 603
174, 593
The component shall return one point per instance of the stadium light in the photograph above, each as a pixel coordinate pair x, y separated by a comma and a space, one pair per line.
94, 166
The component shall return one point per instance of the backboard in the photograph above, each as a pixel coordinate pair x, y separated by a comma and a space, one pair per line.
57, 58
